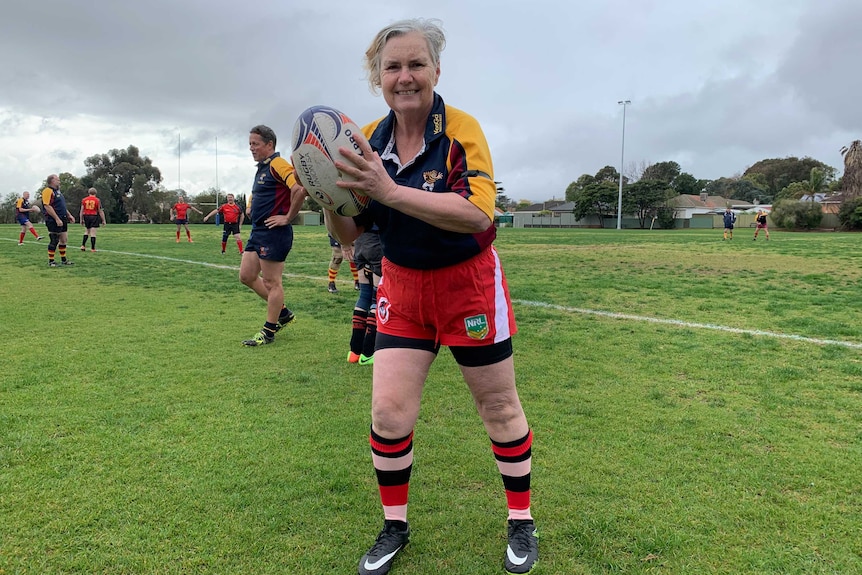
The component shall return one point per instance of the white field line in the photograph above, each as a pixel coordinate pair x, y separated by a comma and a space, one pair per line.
583, 311
681, 323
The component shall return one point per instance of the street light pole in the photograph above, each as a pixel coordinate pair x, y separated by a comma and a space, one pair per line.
624, 103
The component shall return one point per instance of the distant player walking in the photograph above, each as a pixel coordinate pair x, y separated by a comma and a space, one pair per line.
180, 215
22, 215
233, 219
760, 220
92, 216
729, 220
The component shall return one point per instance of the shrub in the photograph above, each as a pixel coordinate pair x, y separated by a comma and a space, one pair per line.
665, 219
850, 214
793, 214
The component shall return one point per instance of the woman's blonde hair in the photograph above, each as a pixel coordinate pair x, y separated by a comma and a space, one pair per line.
430, 28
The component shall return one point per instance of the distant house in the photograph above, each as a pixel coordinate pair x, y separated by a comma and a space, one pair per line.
687, 205
829, 204
549, 206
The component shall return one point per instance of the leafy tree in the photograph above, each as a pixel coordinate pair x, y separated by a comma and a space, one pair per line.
850, 214
665, 172
781, 172
685, 183
116, 173
792, 192
609, 174
644, 197
7, 208
598, 199
73, 190
739, 189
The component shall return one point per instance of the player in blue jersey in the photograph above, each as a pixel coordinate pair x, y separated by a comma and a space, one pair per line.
428, 169
277, 199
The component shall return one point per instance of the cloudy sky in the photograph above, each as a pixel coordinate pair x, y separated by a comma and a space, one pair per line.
715, 86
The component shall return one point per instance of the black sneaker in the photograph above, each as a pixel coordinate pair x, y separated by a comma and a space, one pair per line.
259, 339
332, 288
390, 542
52, 264
523, 549
284, 321
68, 263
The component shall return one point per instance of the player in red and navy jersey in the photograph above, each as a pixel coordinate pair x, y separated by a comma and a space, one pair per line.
427, 168
57, 220
277, 200
23, 209
180, 215
233, 219
92, 216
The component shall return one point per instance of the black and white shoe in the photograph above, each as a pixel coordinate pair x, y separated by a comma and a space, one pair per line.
284, 321
332, 288
523, 549
392, 539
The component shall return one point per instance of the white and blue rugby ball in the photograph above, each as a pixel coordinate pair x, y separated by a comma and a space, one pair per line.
318, 133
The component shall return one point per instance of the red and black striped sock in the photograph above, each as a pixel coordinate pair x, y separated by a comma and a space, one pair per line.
393, 462
514, 460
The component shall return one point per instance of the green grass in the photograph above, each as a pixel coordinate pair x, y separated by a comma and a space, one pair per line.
138, 436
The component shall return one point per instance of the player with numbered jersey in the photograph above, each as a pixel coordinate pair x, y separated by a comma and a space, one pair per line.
23, 209
92, 216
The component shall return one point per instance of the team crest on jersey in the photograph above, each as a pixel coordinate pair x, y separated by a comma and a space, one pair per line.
262, 251
477, 326
382, 310
431, 177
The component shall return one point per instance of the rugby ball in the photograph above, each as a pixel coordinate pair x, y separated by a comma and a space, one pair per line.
318, 133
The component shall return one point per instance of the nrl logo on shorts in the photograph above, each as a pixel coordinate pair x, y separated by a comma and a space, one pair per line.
477, 326
382, 310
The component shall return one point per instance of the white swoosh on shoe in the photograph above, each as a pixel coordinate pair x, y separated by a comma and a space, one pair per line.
514, 558
383, 560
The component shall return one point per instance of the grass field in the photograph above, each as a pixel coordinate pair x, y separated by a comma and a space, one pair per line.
697, 408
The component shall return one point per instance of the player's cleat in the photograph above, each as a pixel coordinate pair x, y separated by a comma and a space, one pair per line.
332, 288
52, 264
285, 320
178, 240
68, 263
522, 552
366, 360
356, 285
222, 252
20, 243
352, 357
390, 542
258, 339
39, 238
83, 249
191, 241
92, 250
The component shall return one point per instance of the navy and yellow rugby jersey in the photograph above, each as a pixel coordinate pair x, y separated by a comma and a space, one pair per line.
53, 198
271, 190
456, 159
22, 206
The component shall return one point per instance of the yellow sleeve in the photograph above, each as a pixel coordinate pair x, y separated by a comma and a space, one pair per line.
46, 196
480, 190
284, 170
18, 204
